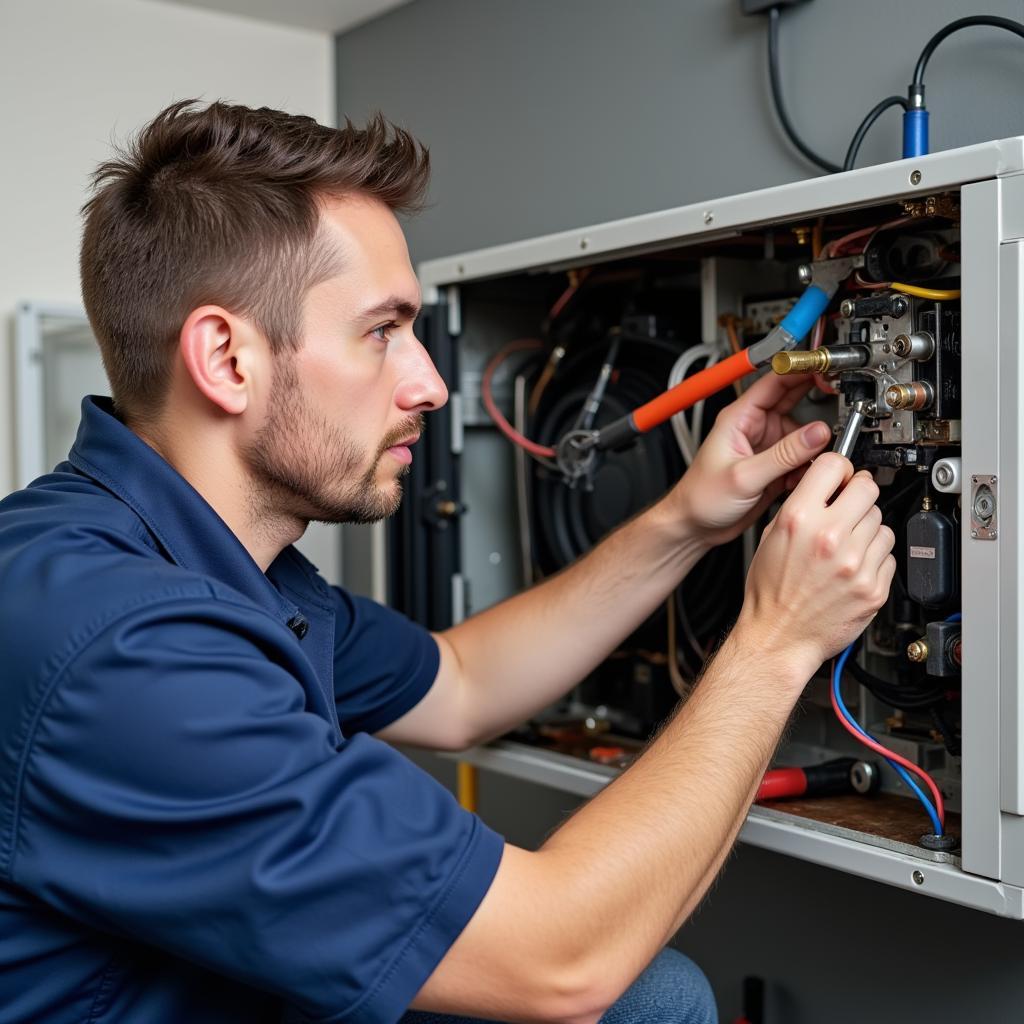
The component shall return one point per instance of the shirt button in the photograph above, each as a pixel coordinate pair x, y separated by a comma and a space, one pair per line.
299, 626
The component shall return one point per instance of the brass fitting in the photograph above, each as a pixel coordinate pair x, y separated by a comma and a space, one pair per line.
815, 361
822, 360
917, 651
913, 397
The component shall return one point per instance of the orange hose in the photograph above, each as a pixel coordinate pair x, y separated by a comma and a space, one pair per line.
692, 390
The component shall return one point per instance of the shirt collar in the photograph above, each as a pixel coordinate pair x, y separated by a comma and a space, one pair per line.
182, 521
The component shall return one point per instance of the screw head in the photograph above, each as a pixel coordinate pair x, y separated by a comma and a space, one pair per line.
584, 242
917, 651
915, 177
846, 307
917, 878
804, 273
901, 345
943, 475
709, 216
974, 533
460, 269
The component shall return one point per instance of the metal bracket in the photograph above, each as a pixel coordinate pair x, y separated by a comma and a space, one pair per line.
984, 506
454, 300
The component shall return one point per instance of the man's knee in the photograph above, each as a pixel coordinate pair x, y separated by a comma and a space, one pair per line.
673, 990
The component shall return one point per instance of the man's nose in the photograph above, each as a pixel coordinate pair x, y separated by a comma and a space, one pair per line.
421, 388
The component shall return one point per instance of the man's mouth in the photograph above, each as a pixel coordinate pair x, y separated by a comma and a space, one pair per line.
402, 451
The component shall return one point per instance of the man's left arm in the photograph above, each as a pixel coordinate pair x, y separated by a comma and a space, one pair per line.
504, 664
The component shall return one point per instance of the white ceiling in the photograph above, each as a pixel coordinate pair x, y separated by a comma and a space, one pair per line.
322, 15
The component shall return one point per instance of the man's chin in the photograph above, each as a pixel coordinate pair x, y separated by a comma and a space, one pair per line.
372, 508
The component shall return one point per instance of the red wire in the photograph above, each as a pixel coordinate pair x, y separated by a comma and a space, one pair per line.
871, 744
495, 413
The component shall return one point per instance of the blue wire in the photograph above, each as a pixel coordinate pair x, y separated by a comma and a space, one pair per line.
955, 617
837, 676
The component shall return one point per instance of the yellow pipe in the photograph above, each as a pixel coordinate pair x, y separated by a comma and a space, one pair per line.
938, 294
466, 785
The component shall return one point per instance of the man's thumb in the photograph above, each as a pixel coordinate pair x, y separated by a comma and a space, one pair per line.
788, 453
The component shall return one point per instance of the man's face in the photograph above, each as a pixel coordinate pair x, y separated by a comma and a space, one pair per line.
346, 408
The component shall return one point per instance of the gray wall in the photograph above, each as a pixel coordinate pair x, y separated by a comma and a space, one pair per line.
550, 114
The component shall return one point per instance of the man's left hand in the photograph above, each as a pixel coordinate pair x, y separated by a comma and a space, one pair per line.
753, 453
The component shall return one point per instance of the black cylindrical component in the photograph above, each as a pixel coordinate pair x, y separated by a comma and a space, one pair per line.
617, 434
905, 257
832, 778
931, 558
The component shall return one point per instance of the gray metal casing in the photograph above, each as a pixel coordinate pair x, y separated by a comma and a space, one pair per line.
989, 874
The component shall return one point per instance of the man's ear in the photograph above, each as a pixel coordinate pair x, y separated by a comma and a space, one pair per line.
217, 349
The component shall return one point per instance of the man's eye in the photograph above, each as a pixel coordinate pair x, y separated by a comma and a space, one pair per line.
384, 331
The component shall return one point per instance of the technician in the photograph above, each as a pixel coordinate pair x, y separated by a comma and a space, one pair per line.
198, 819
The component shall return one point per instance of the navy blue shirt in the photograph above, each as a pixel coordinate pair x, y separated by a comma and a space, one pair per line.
195, 825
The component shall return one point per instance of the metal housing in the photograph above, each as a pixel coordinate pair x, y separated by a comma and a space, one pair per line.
988, 874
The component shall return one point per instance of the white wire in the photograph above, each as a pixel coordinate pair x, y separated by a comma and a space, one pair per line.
687, 437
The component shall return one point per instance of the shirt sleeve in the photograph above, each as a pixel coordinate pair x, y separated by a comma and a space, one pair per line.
384, 663
178, 791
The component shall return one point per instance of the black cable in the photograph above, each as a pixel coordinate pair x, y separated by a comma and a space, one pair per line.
949, 736
780, 107
865, 126
954, 26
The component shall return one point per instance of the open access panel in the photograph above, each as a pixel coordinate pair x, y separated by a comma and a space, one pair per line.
918, 339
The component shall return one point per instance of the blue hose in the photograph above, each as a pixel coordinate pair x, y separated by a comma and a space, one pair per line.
800, 319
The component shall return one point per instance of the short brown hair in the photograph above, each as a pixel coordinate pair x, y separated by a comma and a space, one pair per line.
221, 204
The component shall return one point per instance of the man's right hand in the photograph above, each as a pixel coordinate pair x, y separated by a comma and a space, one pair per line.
563, 931
823, 568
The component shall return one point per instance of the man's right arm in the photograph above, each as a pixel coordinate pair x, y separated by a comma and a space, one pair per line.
564, 931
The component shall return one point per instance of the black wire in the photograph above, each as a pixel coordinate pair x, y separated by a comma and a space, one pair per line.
949, 736
865, 126
954, 26
780, 107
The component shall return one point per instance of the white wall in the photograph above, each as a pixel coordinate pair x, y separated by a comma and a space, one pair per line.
74, 74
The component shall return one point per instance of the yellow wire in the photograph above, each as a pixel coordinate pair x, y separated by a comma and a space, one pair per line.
467, 779
938, 294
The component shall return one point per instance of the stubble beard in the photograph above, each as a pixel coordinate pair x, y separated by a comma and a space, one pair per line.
304, 467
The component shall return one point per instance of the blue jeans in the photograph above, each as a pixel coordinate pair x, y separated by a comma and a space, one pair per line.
673, 990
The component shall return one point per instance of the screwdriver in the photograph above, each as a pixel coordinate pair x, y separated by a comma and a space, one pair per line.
847, 440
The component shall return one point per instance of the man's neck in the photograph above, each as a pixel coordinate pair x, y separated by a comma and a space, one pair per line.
230, 490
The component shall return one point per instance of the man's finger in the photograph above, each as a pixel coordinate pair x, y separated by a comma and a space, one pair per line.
790, 452
825, 475
856, 498
777, 393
